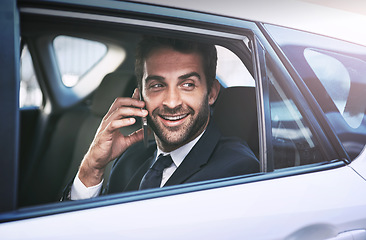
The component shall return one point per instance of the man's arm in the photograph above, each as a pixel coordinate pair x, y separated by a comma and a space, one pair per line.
108, 144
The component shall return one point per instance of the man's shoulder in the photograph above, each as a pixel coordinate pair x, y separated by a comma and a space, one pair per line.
219, 146
233, 146
235, 156
230, 157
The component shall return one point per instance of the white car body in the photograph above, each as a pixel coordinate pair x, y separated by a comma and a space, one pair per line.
272, 209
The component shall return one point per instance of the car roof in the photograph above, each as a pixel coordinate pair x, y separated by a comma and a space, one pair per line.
339, 19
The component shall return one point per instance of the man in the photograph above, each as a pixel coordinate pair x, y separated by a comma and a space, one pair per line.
176, 80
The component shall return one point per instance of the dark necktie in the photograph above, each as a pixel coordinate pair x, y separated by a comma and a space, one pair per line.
153, 176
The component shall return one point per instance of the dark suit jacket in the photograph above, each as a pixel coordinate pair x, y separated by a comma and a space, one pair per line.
214, 156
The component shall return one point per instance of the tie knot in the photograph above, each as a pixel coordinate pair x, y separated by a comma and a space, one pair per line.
152, 178
162, 162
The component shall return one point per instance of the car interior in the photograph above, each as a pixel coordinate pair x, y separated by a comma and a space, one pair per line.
56, 135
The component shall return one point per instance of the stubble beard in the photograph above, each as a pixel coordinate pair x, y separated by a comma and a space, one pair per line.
170, 138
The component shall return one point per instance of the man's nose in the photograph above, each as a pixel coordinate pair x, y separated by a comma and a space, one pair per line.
172, 98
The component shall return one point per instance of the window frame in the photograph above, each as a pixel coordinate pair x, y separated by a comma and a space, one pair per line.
267, 52
232, 40
308, 105
293, 84
351, 57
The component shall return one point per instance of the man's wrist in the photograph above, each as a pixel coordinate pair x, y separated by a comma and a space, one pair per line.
89, 175
80, 191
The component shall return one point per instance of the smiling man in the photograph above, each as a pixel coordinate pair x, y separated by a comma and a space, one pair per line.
177, 83
176, 93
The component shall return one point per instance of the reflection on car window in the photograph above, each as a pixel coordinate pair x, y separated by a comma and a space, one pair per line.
292, 140
336, 79
76, 57
334, 71
30, 94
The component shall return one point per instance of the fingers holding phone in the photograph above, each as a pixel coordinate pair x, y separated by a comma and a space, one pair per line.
109, 142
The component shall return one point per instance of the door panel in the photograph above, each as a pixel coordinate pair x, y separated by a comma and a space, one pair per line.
327, 202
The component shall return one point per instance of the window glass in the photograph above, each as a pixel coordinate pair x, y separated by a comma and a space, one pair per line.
30, 93
230, 70
292, 141
335, 73
336, 79
76, 57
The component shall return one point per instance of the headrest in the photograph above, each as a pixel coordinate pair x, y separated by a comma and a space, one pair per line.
113, 85
235, 113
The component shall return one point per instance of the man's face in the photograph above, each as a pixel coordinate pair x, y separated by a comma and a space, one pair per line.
174, 88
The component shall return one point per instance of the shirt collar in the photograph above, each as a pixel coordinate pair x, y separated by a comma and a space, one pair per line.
179, 154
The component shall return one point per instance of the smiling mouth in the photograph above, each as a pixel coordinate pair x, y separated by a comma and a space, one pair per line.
173, 118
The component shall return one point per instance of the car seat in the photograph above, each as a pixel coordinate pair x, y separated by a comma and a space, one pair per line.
116, 84
71, 139
235, 113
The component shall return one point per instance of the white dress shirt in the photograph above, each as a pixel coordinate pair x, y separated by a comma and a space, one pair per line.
80, 191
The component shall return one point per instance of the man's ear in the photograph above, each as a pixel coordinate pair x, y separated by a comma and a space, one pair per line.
214, 93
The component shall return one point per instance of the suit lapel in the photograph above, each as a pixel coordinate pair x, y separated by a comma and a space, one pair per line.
192, 163
134, 183
197, 157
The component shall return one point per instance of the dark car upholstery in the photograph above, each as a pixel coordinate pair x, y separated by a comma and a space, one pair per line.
235, 113
70, 140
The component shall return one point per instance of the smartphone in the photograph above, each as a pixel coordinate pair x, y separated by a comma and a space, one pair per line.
144, 127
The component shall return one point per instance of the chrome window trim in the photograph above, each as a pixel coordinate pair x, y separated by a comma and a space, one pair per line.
263, 148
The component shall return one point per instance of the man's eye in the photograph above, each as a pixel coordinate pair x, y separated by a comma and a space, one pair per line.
188, 85
157, 85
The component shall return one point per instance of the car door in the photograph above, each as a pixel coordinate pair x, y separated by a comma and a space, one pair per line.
306, 188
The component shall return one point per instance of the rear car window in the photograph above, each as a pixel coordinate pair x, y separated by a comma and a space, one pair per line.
230, 71
335, 73
292, 140
341, 82
30, 94
76, 56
